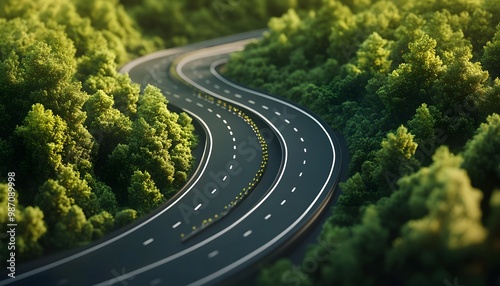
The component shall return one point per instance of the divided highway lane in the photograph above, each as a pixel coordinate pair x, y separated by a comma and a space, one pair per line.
224, 171
311, 160
301, 175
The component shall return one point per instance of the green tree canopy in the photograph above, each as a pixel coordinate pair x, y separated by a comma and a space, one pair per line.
144, 196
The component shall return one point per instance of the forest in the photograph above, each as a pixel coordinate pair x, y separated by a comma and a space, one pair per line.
90, 151
414, 88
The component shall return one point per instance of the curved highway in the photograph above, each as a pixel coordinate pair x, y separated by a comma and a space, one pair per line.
267, 170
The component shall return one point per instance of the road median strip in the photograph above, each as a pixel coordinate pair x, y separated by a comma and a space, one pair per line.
246, 191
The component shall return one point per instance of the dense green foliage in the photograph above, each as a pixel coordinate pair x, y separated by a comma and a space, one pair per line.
399, 79
90, 152
178, 22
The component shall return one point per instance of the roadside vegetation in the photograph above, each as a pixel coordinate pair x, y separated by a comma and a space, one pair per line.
89, 150
413, 86
179, 22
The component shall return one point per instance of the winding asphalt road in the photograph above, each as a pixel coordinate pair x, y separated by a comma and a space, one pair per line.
301, 157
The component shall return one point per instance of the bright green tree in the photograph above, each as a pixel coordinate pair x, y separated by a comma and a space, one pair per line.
144, 196
102, 223
44, 136
53, 200
423, 125
446, 223
125, 217
72, 230
30, 230
410, 84
393, 160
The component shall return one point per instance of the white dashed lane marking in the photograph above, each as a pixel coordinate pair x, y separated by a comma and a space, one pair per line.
176, 225
197, 207
267, 216
283, 202
247, 233
147, 241
213, 254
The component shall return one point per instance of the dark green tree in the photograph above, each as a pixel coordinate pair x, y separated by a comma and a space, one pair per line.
72, 230
482, 160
